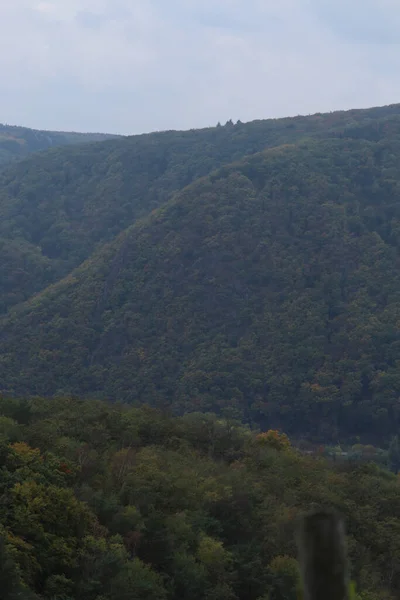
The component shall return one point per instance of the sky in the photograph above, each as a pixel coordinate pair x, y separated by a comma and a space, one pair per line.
134, 66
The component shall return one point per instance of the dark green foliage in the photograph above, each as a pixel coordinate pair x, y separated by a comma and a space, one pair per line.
122, 502
10, 582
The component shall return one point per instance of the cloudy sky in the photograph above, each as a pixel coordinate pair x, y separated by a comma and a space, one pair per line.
132, 66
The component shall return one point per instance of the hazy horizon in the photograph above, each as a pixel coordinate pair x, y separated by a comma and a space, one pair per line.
131, 67
221, 122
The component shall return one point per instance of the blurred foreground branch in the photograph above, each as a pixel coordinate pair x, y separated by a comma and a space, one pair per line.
322, 555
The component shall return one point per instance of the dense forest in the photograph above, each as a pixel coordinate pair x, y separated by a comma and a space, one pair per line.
57, 207
18, 142
250, 266
103, 501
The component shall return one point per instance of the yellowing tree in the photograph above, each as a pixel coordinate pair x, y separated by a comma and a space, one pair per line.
274, 439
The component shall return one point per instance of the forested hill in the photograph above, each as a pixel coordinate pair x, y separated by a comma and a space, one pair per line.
18, 142
57, 207
105, 502
271, 285
165, 273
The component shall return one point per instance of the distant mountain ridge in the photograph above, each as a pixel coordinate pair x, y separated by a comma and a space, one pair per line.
18, 142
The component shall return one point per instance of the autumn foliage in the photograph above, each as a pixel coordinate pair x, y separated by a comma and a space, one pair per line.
274, 439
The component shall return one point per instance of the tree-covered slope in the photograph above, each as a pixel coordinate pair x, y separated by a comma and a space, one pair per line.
57, 207
107, 502
19, 142
272, 286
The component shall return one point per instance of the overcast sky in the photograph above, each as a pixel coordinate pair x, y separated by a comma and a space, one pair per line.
132, 66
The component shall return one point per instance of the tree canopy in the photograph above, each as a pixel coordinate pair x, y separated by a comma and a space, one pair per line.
103, 501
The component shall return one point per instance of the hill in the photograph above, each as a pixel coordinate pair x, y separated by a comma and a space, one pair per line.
111, 502
57, 207
271, 285
19, 142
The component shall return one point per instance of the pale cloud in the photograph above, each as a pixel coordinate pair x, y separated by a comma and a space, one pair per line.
362, 21
130, 66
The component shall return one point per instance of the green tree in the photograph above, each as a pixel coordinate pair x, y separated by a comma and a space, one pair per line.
137, 581
285, 578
